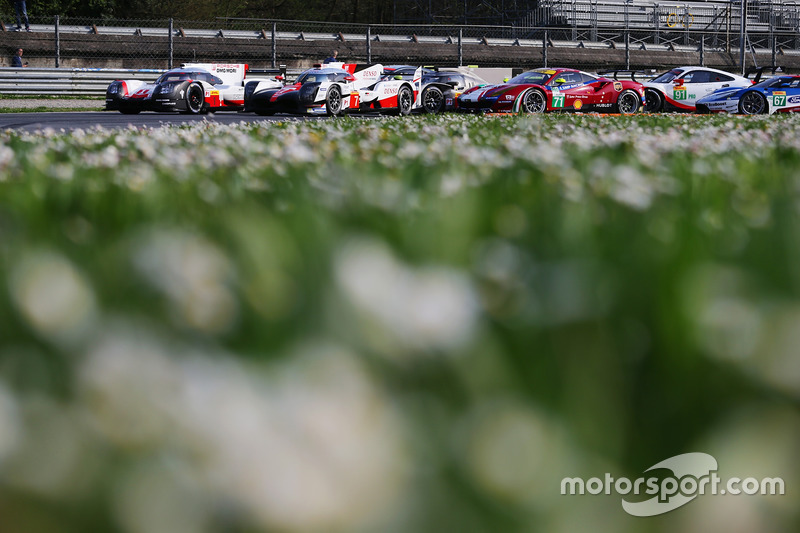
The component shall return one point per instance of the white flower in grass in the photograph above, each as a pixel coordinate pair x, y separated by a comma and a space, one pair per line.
425, 308
309, 445
9, 423
194, 275
54, 297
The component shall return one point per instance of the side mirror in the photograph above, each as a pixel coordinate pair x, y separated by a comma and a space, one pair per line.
398, 77
349, 78
279, 77
452, 84
505, 80
677, 82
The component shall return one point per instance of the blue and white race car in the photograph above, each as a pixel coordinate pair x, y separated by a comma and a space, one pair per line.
780, 94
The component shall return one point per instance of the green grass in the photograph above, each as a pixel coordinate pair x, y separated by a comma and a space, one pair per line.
412, 324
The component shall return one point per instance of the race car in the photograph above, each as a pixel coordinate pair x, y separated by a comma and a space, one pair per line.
396, 94
442, 87
680, 88
192, 88
779, 94
560, 89
329, 89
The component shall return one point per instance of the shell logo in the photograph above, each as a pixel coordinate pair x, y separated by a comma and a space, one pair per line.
578, 104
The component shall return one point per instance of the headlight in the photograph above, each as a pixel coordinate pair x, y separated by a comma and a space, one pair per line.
308, 92
166, 88
249, 89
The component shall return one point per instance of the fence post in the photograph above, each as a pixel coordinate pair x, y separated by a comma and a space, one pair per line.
460, 47
657, 19
274, 45
772, 33
369, 46
544, 48
627, 39
742, 33
574, 22
171, 44
686, 24
58, 42
702, 49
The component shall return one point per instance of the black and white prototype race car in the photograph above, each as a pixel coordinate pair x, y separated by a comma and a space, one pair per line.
193, 88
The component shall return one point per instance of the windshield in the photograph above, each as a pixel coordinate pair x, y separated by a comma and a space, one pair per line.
668, 76
314, 77
779, 83
168, 77
538, 77
171, 77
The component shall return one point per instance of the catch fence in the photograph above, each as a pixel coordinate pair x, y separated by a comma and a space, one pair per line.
772, 27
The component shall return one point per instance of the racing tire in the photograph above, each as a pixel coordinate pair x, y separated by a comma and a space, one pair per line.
533, 102
195, 99
432, 100
333, 103
628, 102
653, 101
752, 103
405, 100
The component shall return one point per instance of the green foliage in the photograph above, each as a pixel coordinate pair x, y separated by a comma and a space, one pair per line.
410, 324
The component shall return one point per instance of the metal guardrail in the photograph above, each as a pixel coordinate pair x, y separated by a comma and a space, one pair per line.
66, 82
75, 82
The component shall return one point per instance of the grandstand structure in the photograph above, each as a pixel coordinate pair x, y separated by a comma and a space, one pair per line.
762, 16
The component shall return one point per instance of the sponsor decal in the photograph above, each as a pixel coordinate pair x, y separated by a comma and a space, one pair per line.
558, 100
509, 97
603, 106
680, 93
551, 72
578, 104
794, 100
618, 86
779, 93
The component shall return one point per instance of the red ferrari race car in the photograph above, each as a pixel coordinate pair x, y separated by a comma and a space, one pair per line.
558, 89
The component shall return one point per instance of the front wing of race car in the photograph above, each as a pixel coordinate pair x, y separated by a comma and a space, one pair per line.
721, 101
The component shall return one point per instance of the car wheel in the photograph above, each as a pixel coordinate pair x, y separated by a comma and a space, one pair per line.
628, 102
653, 101
195, 99
752, 103
432, 100
533, 102
405, 100
333, 105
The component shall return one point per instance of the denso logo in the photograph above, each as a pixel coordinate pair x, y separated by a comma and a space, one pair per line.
390, 90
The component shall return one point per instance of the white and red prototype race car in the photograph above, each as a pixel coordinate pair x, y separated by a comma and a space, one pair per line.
192, 88
331, 89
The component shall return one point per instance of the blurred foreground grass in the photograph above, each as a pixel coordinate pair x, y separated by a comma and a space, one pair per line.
400, 325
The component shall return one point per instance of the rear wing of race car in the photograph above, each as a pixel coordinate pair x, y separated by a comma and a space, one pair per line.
274, 72
759, 72
628, 73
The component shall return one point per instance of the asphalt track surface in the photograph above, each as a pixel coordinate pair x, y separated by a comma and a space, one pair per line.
69, 121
